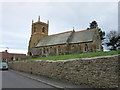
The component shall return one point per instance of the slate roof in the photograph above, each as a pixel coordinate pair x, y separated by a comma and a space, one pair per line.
83, 36
62, 38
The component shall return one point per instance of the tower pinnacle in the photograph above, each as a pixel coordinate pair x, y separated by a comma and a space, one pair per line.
47, 21
32, 21
39, 19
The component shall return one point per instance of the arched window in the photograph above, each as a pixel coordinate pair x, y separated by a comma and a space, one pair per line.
44, 51
59, 50
86, 47
34, 29
43, 29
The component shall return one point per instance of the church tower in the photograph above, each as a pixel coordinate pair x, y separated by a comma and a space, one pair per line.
39, 30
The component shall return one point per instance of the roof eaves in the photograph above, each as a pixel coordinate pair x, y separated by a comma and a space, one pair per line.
49, 45
80, 42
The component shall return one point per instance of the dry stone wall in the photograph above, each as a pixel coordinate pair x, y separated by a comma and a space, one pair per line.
97, 72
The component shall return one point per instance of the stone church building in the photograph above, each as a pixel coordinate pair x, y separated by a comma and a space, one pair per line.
71, 42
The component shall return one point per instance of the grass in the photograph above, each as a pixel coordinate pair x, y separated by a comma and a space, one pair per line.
83, 55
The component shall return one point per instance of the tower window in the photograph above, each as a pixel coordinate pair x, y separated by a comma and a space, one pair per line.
43, 29
34, 29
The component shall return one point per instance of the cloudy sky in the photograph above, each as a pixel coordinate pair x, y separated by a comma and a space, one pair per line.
16, 19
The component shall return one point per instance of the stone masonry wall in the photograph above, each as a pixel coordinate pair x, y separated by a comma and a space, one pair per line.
97, 72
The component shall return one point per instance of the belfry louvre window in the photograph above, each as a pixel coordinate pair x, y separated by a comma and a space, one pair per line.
34, 29
43, 29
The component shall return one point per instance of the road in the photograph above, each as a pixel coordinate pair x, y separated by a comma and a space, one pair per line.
13, 80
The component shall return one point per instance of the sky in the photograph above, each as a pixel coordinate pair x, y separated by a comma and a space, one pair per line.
16, 19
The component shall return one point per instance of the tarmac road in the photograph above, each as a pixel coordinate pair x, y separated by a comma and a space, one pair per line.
13, 80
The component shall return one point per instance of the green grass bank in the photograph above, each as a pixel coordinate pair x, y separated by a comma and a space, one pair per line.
83, 55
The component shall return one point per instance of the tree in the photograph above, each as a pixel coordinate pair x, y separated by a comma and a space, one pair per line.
102, 34
94, 24
113, 40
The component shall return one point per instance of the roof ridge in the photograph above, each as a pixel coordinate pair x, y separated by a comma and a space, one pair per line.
71, 31
85, 30
60, 33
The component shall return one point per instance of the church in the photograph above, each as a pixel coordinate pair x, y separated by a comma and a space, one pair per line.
71, 42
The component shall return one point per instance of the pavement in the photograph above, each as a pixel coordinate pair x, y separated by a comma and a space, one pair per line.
49, 81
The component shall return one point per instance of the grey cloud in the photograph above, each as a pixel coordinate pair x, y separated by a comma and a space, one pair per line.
17, 17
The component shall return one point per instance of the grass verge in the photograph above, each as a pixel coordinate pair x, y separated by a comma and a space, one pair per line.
83, 55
